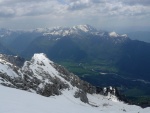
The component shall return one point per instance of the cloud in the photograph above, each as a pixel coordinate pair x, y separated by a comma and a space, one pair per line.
119, 9
70, 12
7, 12
14, 8
98, 1
137, 2
29, 7
82, 4
78, 5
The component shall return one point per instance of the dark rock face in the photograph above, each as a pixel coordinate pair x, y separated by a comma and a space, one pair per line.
75, 80
82, 95
49, 90
84, 86
6, 80
52, 89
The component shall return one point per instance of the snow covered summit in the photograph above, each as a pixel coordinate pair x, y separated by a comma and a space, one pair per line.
113, 34
67, 31
84, 28
42, 76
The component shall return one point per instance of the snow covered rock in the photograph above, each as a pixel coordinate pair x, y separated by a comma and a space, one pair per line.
15, 60
67, 31
42, 76
113, 34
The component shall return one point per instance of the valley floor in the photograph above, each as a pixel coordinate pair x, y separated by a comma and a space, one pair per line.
17, 101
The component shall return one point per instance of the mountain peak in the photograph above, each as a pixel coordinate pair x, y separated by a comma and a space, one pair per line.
66, 31
85, 28
39, 56
44, 77
77, 30
113, 34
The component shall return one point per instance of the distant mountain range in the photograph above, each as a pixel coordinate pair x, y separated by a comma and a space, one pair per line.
100, 57
19, 41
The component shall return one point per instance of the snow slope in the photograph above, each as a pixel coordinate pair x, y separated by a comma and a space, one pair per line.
42, 76
65, 103
33, 103
4, 68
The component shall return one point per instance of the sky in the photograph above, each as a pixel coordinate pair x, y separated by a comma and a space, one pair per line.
111, 15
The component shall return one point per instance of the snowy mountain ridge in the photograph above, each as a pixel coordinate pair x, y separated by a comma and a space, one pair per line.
42, 76
61, 88
76, 30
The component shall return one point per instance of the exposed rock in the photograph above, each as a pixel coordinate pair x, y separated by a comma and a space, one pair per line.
15, 60
82, 95
75, 80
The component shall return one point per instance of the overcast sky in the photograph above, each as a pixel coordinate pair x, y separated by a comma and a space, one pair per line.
116, 15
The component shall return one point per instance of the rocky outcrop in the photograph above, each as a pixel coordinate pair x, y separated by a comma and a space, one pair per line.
82, 95
15, 60
106, 90
75, 80
42, 76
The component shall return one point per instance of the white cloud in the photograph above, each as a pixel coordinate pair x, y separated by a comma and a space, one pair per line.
44, 7
79, 4
69, 12
30, 7
137, 2
7, 12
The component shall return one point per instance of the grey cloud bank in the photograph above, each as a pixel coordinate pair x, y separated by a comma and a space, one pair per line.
117, 15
